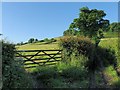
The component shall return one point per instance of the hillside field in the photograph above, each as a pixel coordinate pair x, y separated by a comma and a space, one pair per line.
105, 42
109, 71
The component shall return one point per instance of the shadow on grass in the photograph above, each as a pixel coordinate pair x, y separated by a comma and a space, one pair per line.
61, 76
116, 84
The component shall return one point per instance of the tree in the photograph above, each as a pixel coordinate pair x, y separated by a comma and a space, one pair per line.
18, 44
70, 32
46, 40
53, 40
114, 27
31, 40
36, 40
21, 43
92, 25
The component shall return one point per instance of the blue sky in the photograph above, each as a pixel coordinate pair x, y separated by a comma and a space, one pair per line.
22, 21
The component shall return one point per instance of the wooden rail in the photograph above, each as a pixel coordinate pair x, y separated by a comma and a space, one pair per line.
34, 58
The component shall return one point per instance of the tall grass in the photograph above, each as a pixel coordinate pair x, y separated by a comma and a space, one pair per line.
113, 79
63, 75
73, 74
112, 44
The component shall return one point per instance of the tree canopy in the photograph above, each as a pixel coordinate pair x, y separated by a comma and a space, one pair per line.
90, 22
114, 27
70, 32
31, 40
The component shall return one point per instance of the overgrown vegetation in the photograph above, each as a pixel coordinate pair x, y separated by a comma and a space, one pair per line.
88, 61
73, 72
74, 46
13, 72
63, 75
91, 23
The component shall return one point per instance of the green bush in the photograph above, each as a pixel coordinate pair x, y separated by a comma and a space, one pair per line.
53, 40
61, 75
41, 41
59, 82
74, 73
102, 55
74, 46
13, 73
46, 40
45, 72
107, 55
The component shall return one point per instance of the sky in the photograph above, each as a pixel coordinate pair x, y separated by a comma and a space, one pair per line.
24, 20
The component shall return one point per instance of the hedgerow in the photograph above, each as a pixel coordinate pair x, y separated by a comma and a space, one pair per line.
74, 46
13, 73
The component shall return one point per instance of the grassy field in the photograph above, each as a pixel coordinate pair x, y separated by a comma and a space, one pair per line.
110, 43
106, 43
65, 81
111, 34
38, 46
